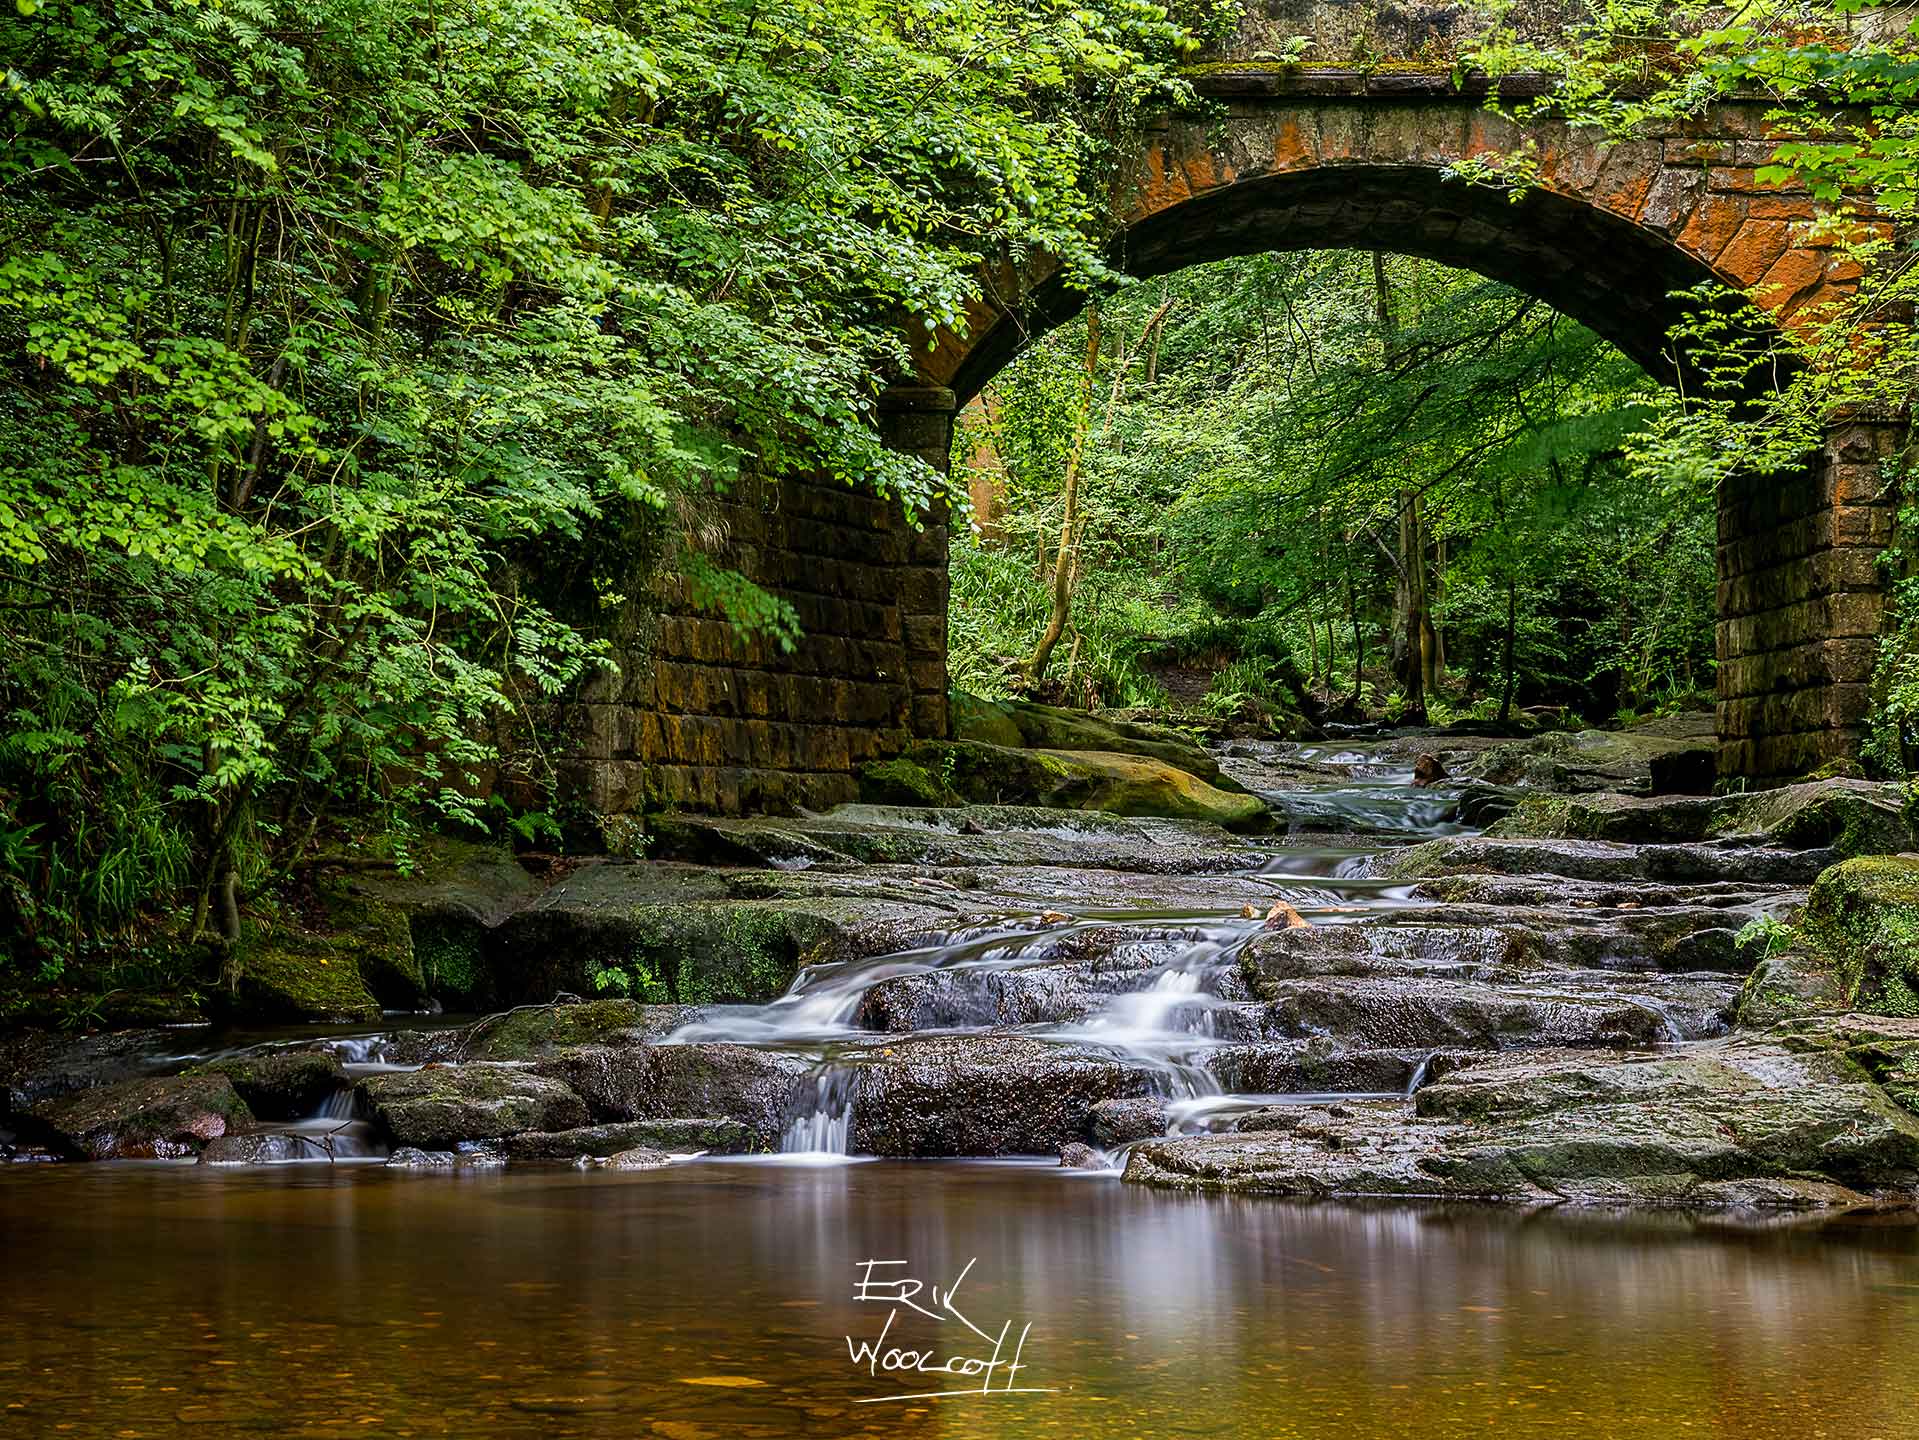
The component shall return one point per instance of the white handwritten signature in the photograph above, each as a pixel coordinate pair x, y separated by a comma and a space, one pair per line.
898, 1292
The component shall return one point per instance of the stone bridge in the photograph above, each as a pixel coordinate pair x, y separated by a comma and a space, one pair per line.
1300, 160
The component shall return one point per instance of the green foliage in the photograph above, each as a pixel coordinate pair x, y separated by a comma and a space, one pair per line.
1242, 509
327, 327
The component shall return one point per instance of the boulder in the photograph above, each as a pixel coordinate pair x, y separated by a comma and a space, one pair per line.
302, 977
1854, 945
1118, 1122
1117, 784
1603, 760
280, 1084
1026, 724
162, 1117
719, 1137
757, 1089
1599, 860
436, 1107
992, 1093
1419, 1012
260, 1148
1078, 1155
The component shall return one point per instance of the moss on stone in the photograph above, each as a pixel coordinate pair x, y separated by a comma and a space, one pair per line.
448, 952
1864, 914
286, 975
719, 952
900, 781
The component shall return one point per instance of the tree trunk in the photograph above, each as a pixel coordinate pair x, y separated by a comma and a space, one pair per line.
1066, 563
1506, 650
1062, 589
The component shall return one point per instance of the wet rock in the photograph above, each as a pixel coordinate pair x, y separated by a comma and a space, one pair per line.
1848, 817
434, 1108
1600, 861
638, 1158
1321, 1065
259, 1148
535, 1031
1884, 1047
718, 1137
1735, 1122
1419, 1012
1602, 760
1267, 1119
1116, 1122
411, 1157
39, 1065
1428, 771
1076, 1155
281, 1084
164, 1117
754, 1088
994, 1093
1854, 946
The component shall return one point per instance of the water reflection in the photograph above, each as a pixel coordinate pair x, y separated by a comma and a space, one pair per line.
317, 1302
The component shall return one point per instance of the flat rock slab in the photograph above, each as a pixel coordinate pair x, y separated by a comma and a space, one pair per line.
717, 1137
441, 1105
161, 1118
1601, 860
1739, 1122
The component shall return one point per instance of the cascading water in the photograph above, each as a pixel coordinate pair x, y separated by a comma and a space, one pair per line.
823, 1131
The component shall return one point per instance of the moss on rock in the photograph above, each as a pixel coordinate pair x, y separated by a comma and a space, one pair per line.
291, 975
1117, 784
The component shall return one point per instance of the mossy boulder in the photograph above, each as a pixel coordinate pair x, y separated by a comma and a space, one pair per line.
900, 781
303, 977
1854, 946
758, 1089
283, 1084
437, 1107
1117, 784
1025, 724
717, 1137
159, 1118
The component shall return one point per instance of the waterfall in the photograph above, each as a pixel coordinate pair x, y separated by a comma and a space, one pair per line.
827, 1128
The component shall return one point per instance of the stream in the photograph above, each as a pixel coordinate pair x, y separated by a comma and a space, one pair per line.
721, 1295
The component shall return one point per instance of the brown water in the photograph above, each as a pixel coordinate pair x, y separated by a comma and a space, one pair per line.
713, 1300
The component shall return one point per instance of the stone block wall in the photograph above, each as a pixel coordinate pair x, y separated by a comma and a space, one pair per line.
702, 718
1801, 604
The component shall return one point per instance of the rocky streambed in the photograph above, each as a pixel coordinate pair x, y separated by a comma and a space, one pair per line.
1528, 981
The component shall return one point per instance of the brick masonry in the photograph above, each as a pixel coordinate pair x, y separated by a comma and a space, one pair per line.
703, 719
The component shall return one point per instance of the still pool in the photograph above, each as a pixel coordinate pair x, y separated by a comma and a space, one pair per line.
716, 1299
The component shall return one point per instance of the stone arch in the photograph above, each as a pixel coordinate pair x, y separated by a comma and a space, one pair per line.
1289, 160
1607, 235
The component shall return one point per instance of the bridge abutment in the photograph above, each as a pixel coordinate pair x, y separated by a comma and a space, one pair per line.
1801, 602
